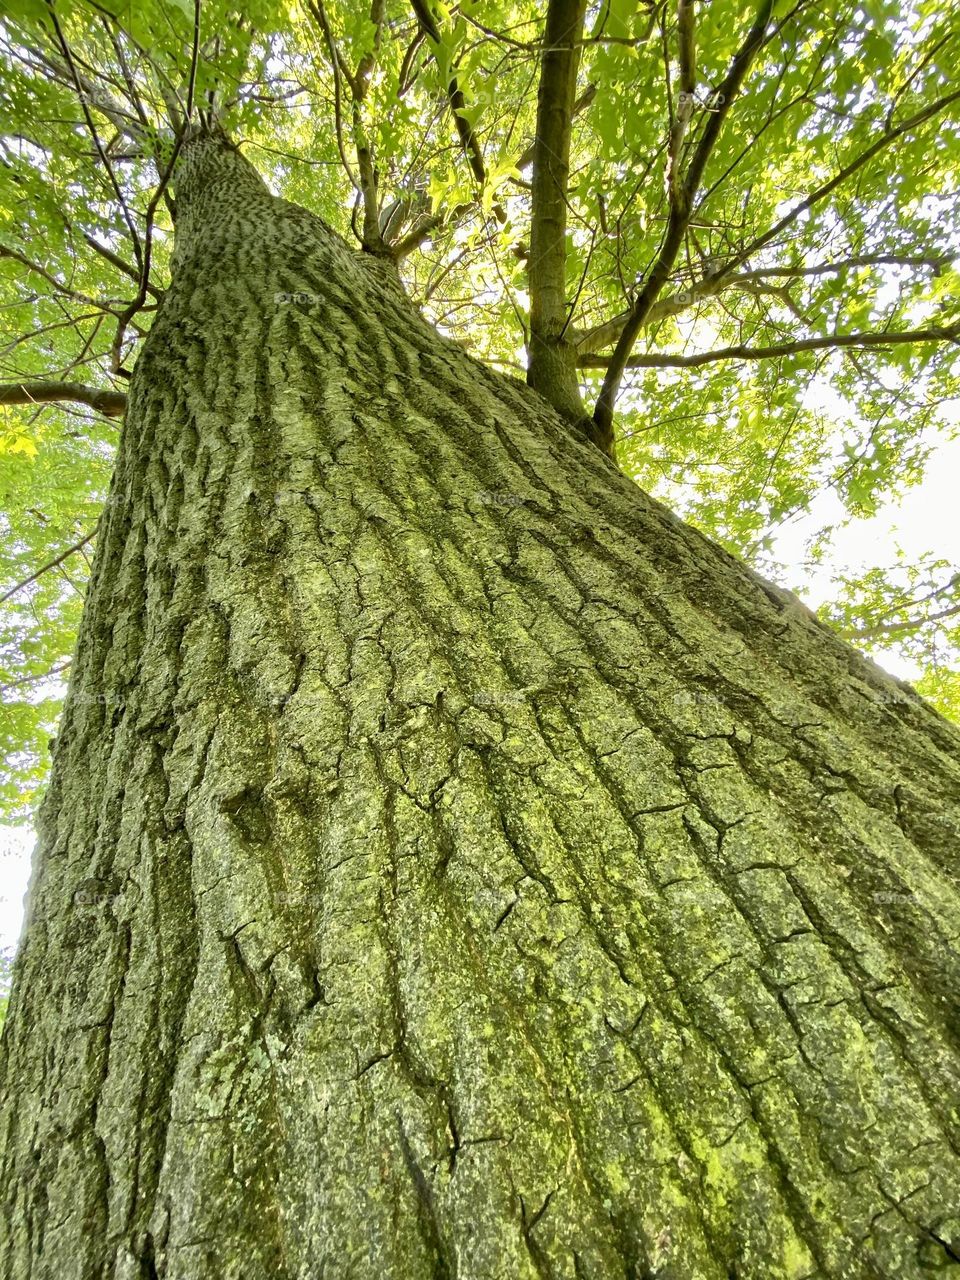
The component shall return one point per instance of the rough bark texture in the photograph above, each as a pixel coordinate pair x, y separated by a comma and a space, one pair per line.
454, 866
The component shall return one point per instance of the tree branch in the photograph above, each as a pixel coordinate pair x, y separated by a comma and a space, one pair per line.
118, 262
51, 564
525, 159
686, 32
595, 339
373, 241
891, 628
427, 226
551, 364
681, 204
365, 179
15, 256
935, 261
82, 98
888, 628
827, 188
837, 340
168, 91
686, 38
116, 352
468, 139
122, 120
42, 675
423, 231
339, 70
194, 59
111, 403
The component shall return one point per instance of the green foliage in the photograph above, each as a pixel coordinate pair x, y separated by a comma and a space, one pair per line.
828, 206
53, 481
915, 604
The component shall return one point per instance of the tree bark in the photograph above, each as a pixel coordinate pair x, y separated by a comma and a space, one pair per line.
453, 865
551, 356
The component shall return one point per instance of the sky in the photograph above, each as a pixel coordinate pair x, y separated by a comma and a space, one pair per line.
925, 519
16, 844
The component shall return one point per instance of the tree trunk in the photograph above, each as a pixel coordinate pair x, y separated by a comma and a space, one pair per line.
551, 356
455, 866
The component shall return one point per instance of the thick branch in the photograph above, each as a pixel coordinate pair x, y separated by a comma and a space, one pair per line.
838, 340
424, 230
686, 38
549, 372
525, 159
369, 190
373, 241
111, 403
551, 163
682, 197
686, 32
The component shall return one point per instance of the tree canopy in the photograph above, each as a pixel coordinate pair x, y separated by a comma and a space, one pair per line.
726, 235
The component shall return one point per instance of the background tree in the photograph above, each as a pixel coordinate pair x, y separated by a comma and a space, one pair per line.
452, 862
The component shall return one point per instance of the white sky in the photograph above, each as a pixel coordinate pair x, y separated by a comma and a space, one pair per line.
16, 845
925, 519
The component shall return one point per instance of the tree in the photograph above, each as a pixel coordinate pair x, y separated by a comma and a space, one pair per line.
453, 864
798, 343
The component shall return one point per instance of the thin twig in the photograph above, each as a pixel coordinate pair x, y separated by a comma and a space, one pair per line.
836, 340
43, 675
52, 564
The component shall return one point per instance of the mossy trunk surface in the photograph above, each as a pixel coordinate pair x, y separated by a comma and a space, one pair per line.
455, 866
